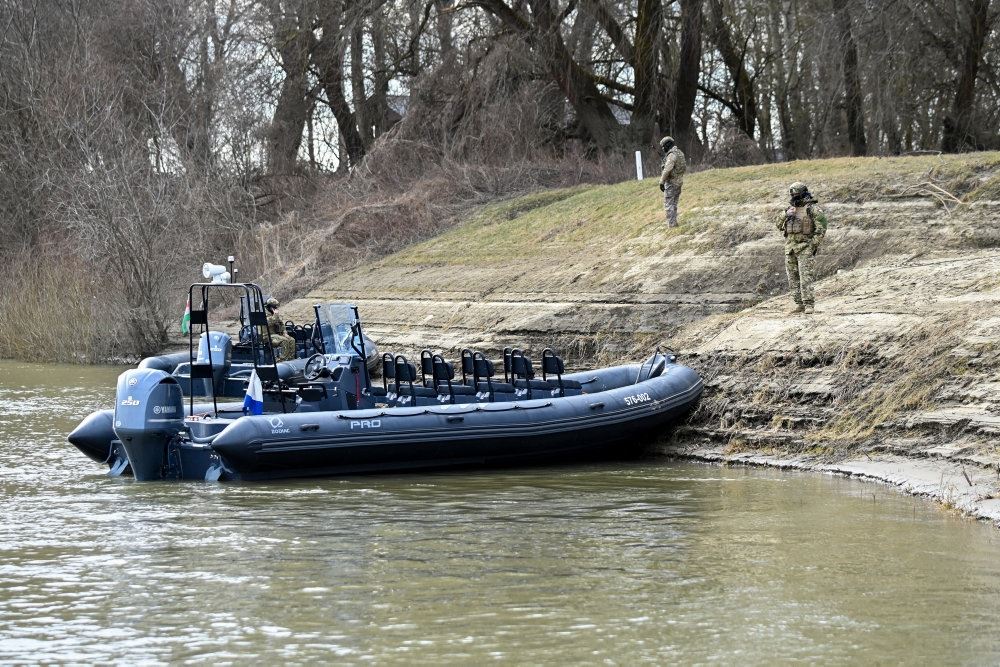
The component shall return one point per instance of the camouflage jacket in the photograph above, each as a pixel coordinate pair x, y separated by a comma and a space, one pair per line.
672, 167
803, 224
275, 324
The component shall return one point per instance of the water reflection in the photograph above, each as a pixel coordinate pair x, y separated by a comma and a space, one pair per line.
624, 563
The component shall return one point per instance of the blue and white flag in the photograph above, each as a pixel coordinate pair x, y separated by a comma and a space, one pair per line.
253, 403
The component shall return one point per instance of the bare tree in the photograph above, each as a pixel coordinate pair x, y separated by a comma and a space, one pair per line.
294, 41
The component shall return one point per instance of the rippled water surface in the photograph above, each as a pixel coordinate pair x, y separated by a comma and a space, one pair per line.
644, 561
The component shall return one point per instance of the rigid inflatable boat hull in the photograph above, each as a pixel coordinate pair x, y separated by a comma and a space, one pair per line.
608, 423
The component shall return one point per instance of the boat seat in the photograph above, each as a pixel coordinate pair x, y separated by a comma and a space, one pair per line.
304, 343
523, 375
552, 364
458, 389
312, 392
534, 384
507, 351
482, 375
406, 375
427, 368
497, 387
308, 343
443, 374
388, 373
468, 367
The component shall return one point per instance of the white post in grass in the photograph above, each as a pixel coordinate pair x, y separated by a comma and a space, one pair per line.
638, 165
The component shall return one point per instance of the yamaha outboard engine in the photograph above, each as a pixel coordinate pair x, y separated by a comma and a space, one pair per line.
221, 346
149, 412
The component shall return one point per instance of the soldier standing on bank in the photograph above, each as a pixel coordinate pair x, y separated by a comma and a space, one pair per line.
804, 225
671, 178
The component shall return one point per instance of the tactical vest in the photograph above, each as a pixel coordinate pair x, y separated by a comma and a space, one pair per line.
680, 164
801, 223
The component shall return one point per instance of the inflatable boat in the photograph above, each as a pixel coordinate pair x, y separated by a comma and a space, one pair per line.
337, 421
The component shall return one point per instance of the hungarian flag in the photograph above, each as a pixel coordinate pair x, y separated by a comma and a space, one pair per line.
186, 320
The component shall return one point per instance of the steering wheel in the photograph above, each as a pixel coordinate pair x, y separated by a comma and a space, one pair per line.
247, 334
314, 367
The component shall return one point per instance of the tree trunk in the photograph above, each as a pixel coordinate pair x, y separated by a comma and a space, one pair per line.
958, 129
328, 56
852, 83
595, 119
744, 101
380, 92
649, 21
443, 24
780, 83
358, 82
611, 26
686, 86
292, 110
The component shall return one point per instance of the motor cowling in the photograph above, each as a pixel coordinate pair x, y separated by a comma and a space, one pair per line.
149, 412
220, 345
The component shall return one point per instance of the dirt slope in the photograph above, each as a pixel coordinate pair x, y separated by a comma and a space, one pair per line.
901, 360
595, 271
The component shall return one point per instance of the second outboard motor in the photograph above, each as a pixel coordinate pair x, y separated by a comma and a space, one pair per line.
221, 346
149, 412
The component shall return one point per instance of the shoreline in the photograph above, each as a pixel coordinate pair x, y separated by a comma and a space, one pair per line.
971, 488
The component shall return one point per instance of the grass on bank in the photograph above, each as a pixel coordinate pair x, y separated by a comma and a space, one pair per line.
579, 219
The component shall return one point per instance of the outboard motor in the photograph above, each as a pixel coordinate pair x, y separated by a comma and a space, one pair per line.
221, 346
149, 412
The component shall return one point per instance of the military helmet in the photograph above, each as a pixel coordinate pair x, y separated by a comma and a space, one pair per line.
666, 140
797, 189
271, 303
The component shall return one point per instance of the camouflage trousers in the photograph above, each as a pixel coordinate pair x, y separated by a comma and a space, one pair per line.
286, 345
799, 265
671, 193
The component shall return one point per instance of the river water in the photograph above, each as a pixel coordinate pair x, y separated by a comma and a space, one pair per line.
646, 561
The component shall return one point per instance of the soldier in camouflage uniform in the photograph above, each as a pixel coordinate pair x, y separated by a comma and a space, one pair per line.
672, 170
279, 338
804, 225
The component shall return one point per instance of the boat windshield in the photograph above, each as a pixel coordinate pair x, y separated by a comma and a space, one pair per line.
337, 325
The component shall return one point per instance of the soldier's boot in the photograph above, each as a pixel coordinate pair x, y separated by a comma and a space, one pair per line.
808, 309
799, 308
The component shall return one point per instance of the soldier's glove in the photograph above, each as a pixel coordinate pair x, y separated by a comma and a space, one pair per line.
662, 187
